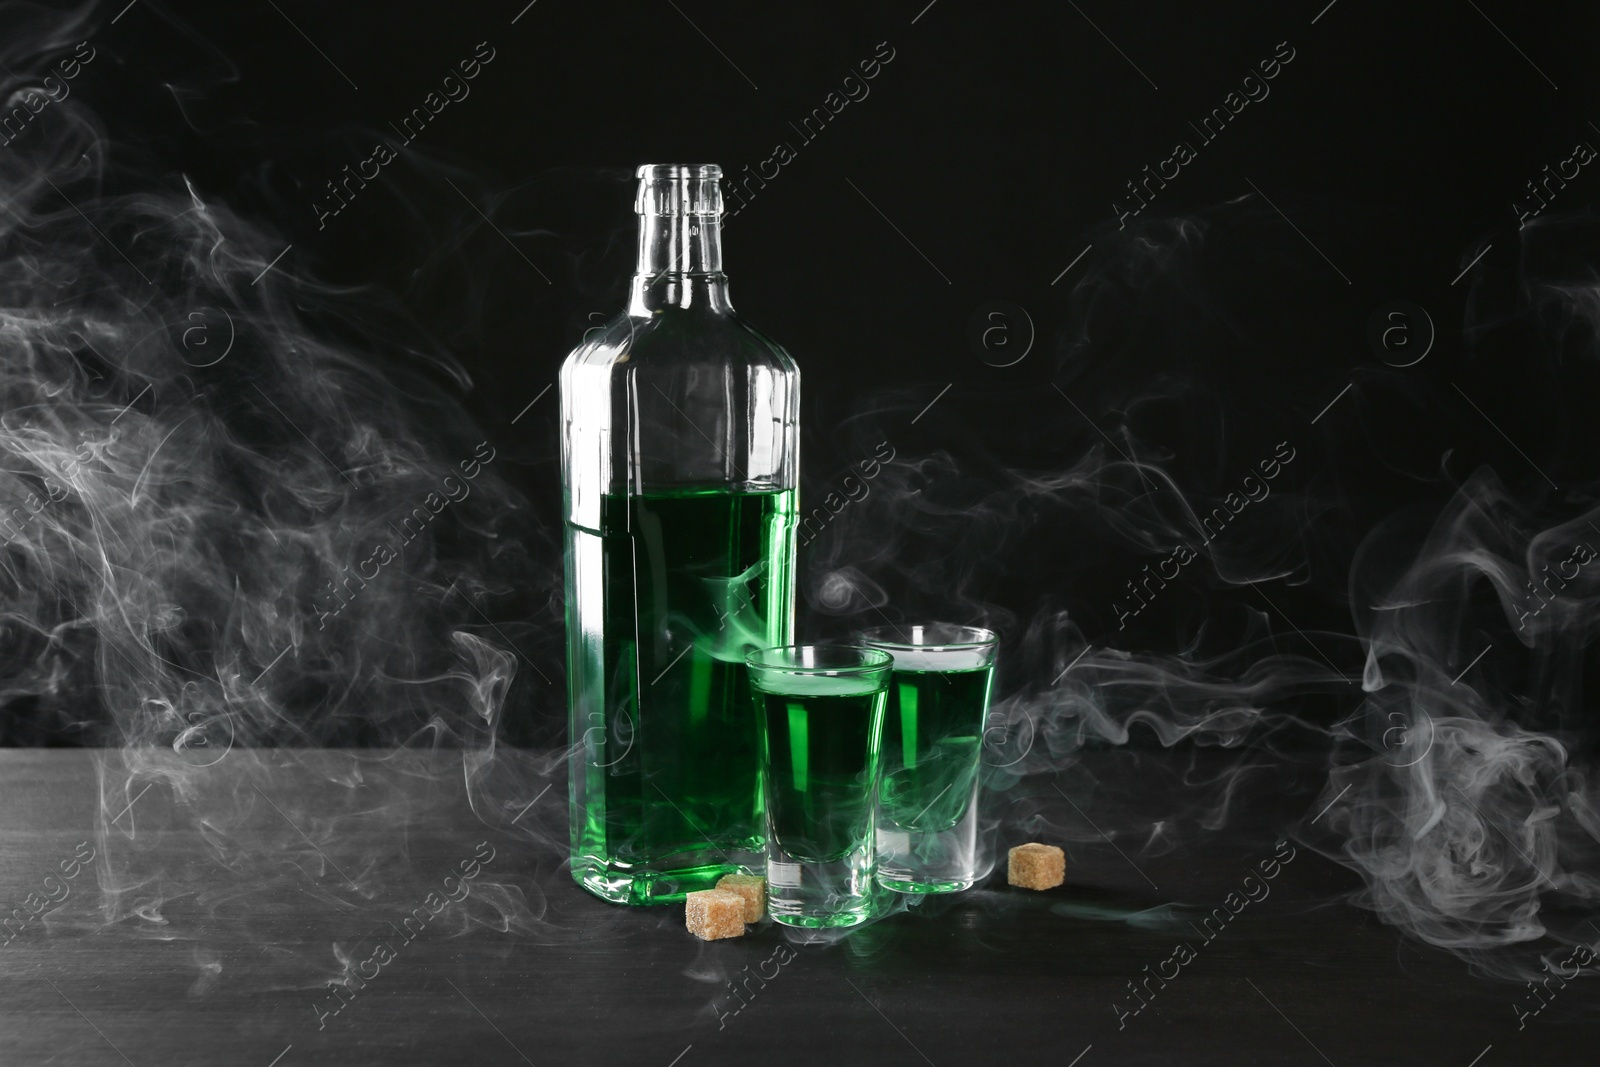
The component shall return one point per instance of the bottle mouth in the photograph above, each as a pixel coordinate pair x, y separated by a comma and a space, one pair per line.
679, 189
655, 171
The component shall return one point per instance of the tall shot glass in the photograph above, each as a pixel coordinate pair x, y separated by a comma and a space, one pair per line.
927, 813
819, 713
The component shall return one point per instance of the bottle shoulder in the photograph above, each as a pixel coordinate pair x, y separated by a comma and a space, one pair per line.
676, 336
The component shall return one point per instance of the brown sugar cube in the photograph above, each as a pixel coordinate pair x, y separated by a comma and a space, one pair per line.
1036, 866
752, 888
711, 914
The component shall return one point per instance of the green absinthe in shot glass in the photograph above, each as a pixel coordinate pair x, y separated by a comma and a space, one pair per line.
820, 713
938, 702
680, 456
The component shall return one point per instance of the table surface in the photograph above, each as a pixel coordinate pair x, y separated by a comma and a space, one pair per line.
220, 901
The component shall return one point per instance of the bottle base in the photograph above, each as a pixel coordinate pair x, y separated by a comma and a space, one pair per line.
626, 883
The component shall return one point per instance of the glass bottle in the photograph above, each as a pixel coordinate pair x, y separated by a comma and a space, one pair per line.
680, 457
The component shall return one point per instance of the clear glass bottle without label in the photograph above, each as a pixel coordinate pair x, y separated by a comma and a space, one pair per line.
680, 458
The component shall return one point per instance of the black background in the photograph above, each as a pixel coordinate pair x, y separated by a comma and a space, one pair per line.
1234, 313
987, 156
1238, 313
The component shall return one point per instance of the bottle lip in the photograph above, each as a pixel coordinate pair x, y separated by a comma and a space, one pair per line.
653, 171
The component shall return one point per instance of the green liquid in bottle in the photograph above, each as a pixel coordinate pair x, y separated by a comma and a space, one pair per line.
821, 738
932, 731
663, 603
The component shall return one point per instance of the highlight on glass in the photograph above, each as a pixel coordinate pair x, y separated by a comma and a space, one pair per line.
938, 703
819, 716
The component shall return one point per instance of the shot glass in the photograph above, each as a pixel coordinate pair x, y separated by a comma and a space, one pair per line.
819, 714
927, 812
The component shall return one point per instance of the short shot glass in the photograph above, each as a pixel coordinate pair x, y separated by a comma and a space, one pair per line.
927, 812
819, 711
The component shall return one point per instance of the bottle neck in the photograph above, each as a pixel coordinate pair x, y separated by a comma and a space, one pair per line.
680, 264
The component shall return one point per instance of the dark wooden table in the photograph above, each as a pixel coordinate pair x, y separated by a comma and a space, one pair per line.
218, 905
